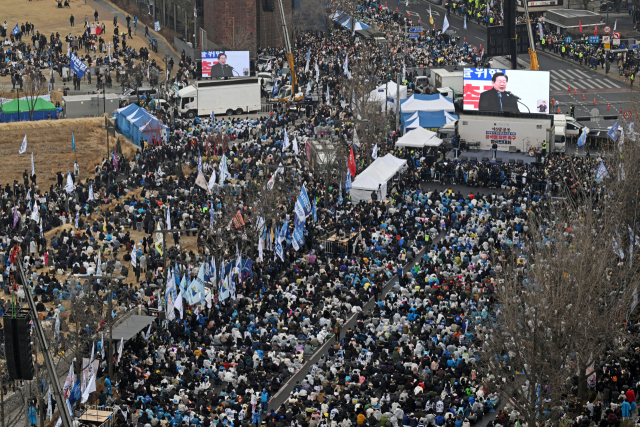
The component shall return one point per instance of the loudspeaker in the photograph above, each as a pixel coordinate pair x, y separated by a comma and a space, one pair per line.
17, 333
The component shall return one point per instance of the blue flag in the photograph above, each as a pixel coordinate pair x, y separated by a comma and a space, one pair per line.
583, 138
465, 22
445, 24
16, 30
303, 204
613, 132
76, 393
195, 293
73, 142
77, 65
315, 212
347, 183
274, 92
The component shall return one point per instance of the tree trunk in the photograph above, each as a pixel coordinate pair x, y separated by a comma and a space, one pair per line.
583, 390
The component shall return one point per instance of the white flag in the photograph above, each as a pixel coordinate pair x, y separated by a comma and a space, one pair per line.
69, 381
102, 344
120, 350
285, 144
23, 147
49, 405
445, 24
33, 169
69, 188
260, 248
91, 197
168, 219
295, 146
91, 387
178, 304
93, 349
148, 334
212, 180
134, 257
160, 173
317, 73
375, 152
615, 24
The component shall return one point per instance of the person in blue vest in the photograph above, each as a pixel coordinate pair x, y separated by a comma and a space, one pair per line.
264, 399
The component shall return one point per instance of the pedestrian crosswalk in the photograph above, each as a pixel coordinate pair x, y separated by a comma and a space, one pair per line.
581, 80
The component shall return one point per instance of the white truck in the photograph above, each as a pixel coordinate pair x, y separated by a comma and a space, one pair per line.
447, 82
233, 96
510, 133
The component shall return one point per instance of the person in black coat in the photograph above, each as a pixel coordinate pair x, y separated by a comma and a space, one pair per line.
498, 98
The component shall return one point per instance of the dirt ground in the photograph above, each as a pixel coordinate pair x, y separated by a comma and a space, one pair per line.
48, 18
50, 143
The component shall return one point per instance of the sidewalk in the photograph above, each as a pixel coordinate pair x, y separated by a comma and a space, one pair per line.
613, 70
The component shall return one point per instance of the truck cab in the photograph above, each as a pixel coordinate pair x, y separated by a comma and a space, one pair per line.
285, 94
447, 132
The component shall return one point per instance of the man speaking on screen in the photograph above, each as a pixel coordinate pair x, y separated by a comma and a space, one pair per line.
497, 98
221, 69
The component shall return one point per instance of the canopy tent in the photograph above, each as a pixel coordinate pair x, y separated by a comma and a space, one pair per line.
435, 102
137, 123
345, 20
131, 326
431, 120
18, 110
375, 178
419, 138
389, 92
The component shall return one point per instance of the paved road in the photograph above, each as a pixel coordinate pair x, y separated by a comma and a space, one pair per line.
283, 394
608, 90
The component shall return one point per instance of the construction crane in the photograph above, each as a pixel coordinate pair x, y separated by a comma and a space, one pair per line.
288, 93
533, 55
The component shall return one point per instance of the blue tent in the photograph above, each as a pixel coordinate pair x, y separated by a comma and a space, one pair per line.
345, 20
136, 123
431, 120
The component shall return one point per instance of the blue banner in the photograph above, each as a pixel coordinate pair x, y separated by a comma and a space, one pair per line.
77, 65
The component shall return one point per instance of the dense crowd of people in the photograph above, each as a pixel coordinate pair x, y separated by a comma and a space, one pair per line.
388, 324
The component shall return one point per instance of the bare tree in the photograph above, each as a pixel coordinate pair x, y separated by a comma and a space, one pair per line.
563, 300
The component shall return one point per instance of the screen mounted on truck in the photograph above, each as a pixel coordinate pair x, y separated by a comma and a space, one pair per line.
225, 63
499, 90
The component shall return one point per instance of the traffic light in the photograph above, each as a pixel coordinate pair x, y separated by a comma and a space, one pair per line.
17, 335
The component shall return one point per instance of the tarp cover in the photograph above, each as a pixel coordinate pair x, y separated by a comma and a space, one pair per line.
131, 326
419, 137
42, 110
137, 123
376, 177
427, 119
435, 102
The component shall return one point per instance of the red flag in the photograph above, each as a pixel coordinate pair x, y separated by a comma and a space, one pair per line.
580, 25
596, 32
352, 164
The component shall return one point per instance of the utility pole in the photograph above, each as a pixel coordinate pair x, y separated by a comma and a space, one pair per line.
46, 353
109, 127
399, 76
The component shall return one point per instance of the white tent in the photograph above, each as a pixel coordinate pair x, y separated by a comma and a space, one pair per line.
375, 178
419, 137
388, 91
413, 104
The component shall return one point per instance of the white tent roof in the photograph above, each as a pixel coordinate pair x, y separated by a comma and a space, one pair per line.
448, 117
382, 169
412, 104
367, 182
389, 90
419, 137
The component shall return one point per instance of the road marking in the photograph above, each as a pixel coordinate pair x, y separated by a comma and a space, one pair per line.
583, 74
563, 73
609, 83
555, 86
